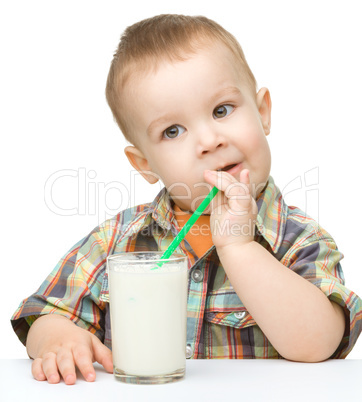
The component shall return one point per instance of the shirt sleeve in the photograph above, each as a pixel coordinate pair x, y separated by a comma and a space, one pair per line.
72, 289
319, 263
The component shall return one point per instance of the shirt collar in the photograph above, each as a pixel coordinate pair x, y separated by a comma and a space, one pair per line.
272, 215
161, 209
271, 219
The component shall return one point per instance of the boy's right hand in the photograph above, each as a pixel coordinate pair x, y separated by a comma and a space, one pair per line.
58, 346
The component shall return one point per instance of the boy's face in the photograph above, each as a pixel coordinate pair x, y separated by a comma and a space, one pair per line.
193, 115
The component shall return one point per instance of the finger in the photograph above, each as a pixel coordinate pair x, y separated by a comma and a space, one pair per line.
237, 193
102, 354
66, 366
37, 370
221, 180
83, 359
240, 192
50, 368
245, 180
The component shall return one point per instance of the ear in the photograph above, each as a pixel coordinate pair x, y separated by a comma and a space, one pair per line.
140, 163
263, 103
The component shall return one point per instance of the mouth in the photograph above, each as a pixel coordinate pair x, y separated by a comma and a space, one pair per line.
229, 168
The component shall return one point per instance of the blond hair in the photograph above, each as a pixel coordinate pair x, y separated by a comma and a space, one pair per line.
164, 37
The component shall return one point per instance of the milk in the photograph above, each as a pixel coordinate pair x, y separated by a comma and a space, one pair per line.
148, 318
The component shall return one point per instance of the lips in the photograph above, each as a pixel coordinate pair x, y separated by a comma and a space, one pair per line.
226, 168
234, 169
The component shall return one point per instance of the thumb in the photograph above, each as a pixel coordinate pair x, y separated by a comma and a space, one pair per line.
102, 354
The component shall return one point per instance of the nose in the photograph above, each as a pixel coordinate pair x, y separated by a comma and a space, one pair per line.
209, 141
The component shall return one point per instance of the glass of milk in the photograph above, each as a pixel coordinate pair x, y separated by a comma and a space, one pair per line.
148, 316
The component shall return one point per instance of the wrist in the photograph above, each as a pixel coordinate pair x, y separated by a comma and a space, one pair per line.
232, 250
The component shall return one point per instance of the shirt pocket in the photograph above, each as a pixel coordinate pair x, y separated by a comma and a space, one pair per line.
223, 307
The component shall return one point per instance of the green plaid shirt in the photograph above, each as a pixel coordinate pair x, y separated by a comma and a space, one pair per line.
218, 324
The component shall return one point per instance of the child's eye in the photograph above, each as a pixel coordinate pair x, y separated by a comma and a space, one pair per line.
222, 111
173, 131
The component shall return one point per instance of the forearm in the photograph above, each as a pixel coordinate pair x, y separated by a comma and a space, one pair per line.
297, 318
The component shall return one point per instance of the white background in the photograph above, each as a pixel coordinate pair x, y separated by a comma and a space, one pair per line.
55, 123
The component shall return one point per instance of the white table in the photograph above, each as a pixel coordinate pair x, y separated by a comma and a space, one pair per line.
206, 380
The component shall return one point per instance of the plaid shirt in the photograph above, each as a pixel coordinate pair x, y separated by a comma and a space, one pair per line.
218, 324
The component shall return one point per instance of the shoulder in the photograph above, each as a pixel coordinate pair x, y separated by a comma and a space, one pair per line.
126, 222
302, 229
285, 227
305, 242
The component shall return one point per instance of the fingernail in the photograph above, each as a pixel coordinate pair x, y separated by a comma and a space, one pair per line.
41, 377
90, 377
53, 378
69, 379
211, 172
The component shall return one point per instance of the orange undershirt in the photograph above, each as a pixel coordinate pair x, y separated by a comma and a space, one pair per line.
199, 236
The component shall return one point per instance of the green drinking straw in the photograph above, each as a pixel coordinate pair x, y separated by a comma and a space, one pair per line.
193, 218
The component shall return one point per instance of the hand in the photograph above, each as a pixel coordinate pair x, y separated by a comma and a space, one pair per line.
57, 346
234, 210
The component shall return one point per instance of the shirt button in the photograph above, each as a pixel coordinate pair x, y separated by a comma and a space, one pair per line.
197, 275
188, 351
240, 314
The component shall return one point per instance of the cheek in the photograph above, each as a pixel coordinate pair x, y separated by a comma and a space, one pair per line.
254, 145
178, 177
252, 141
261, 149
171, 171
262, 158
247, 127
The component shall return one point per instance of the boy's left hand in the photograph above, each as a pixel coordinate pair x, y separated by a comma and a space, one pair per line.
234, 210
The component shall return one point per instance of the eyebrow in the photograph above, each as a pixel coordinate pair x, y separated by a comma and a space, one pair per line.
225, 92
228, 91
158, 122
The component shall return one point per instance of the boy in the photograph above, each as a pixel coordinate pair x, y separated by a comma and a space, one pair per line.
265, 280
